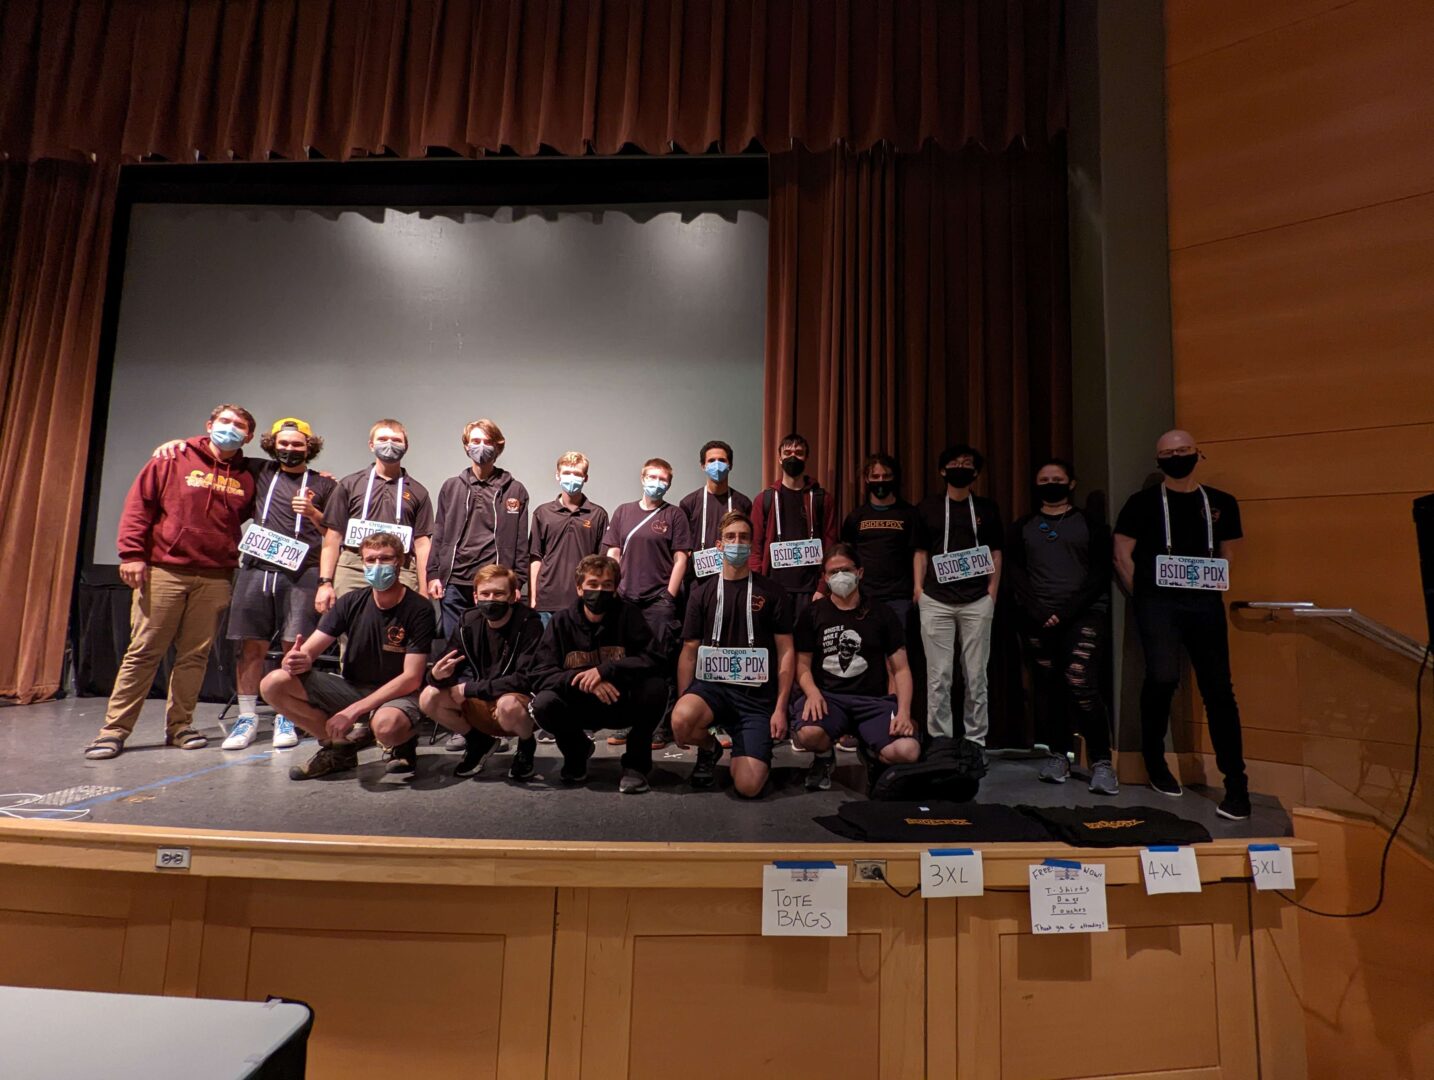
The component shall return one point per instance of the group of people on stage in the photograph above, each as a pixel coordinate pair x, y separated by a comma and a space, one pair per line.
720, 622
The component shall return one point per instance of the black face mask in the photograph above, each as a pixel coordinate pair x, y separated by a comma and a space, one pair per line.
1178, 467
960, 476
794, 466
291, 457
879, 489
493, 610
598, 601
1053, 492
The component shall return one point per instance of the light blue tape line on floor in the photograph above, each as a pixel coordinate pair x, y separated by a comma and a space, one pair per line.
112, 796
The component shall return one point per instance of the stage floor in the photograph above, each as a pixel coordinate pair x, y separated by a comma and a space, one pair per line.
149, 784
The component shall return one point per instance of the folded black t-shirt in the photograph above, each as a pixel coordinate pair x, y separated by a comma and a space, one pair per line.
935, 822
1117, 826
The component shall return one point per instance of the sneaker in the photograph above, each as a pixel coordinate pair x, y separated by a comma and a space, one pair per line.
847, 743
1235, 805
1055, 770
285, 734
403, 758
522, 765
661, 737
704, 773
724, 740
456, 744
242, 733
575, 772
819, 774
618, 738
1163, 780
1103, 780
329, 759
476, 748
632, 783
361, 735
544, 736
798, 747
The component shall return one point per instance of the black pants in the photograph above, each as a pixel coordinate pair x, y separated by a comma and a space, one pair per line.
1169, 620
660, 614
569, 714
1066, 662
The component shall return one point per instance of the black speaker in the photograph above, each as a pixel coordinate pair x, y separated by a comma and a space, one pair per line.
1424, 532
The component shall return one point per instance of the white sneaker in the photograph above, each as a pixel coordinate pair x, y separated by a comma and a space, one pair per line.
284, 734
242, 733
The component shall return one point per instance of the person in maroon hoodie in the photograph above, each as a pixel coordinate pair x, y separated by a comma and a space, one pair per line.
800, 516
178, 545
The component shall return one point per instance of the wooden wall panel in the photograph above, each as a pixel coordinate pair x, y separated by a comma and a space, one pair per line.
1197, 27
1324, 464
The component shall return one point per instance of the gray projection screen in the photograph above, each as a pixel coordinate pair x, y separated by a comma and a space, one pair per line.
624, 332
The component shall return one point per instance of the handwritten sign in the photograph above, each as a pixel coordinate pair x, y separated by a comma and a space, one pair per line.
273, 547
1273, 866
803, 899
783, 554
707, 562
1188, 572
1068, 897
360, 527
744, 667
952, 566
951, 872
1169, 870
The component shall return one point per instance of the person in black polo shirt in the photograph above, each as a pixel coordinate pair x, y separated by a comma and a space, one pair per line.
736, 665
390, 629
565, 531
1058, 563
705, 506
960, 567
1173, 544
885, 531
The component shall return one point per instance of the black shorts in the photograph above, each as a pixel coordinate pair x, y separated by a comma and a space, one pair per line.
269, 602
868, 718
745, 714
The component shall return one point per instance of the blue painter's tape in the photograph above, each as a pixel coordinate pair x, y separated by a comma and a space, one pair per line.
951, 851
804, 865
1064, 864
1163, 847
168, 780
1264, 847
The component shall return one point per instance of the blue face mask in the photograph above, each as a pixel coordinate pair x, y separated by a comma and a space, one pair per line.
654, 491
226, 436
736, 554
380, 575
716, 470
571, 484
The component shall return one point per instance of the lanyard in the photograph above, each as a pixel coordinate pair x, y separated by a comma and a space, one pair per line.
946, 534
777, 507
398, 497
1209, 525
627, 539
298, 518
705, 495
717, 618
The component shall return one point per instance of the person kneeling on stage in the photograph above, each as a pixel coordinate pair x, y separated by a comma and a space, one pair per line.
390, 629
737, 622
481, 687
599, 666
860, 652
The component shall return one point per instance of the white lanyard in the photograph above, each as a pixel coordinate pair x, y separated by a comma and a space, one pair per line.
398, 497
717, 619
777, 505
946, 534
298, 518
1209, 525
702, 539
639, 525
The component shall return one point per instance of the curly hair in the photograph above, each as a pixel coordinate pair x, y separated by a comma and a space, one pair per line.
267, 440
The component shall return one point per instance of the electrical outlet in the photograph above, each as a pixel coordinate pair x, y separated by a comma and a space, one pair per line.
870, 869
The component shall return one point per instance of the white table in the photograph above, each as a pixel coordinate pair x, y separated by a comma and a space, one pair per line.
77, 1035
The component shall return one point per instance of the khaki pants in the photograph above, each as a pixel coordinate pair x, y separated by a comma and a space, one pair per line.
175, 607
348, 575
945, 628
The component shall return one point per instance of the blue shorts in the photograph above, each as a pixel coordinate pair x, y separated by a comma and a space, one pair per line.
868, 718
745, 714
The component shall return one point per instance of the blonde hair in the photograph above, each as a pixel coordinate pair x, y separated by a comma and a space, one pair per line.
574, 459
487, 427
398, 427
493, 570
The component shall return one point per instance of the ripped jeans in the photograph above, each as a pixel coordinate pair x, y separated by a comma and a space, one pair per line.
1066, 666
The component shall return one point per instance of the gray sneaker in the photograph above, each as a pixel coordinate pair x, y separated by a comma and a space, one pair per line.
1056, 770
1102, 779
632, 782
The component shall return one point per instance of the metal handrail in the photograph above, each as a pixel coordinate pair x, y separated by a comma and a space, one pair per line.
1349, 618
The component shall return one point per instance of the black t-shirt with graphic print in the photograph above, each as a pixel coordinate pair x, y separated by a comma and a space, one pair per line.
849, 648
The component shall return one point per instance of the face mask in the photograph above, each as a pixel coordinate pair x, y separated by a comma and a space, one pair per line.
291, 458
716, 470
654, 489
794, 466
843, 583
493, 610
226, 436
736, 554
571, 484
960, 476
1178, 467
482, 453
390, 451
879, 489
598, 601
1053, 492
380, 575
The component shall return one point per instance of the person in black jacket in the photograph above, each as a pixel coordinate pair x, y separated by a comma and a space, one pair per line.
482, 686
1059, 561
599, 666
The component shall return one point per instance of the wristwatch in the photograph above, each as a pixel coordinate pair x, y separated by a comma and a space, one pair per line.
326, 581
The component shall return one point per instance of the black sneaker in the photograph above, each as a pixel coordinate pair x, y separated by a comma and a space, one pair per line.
1235, 805
618, 737
575, 772
522, 765
1163, 780
819, 774
329, 759
847, 743
704, 773
476, 748
403, 758
544, 736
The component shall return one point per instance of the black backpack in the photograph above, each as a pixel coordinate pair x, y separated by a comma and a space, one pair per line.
951, 770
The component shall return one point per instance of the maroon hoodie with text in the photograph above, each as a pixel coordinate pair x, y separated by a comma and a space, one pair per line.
187, 512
